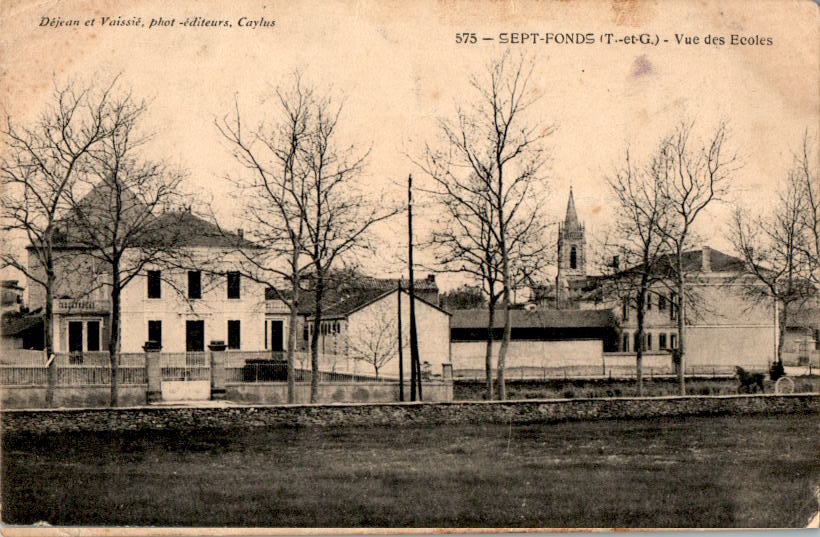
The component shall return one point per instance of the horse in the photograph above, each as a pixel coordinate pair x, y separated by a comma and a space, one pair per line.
749, 381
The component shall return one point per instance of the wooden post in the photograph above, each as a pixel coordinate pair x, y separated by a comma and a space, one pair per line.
415, 365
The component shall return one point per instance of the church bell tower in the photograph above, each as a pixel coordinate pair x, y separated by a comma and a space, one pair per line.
571, 253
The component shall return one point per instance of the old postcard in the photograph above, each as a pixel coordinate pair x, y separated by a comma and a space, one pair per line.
376, 266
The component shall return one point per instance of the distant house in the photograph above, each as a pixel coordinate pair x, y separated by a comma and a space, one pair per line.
12, 296
724, 326
801, 341
180, 308
540, 338
359, 330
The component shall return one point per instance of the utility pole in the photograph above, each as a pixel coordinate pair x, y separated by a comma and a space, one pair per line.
415, 366
401, 352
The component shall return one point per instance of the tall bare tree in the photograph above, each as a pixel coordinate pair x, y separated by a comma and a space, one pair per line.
691, 176
274, 196
487, 175
41, 163
777, 246
639, 242
804, 179
124, 219
338, 215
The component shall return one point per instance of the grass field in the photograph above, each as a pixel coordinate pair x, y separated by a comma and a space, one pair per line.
754, 471
470, 390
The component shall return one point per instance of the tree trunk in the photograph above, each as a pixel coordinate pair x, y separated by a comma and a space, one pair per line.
488, 357
681, 327
48, 333
505, 340
294, 318
314, 340
781, 332
114, 339
641, 313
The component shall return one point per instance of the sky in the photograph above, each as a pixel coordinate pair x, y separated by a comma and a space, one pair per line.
399, 69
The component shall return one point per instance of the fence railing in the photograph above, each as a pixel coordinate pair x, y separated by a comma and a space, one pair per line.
94, 368
591, 372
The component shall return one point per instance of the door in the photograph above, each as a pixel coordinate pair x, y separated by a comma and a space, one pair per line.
75, 342
277, 336
195, 336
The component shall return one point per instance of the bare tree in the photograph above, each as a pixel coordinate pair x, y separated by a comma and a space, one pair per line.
777, 247
639, 241
374, 340
119, 214
41, 162
337, 214
274, 197
804, 179
487, 177
691, 178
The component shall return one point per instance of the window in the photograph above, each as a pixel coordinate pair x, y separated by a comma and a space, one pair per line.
662, 341
277, 336
625, 309
92, 335
636, 343
154, 284
661, 302
673, 341
233, 285
194, 336
155, 331
83, 336
625, 343
649, 342
673, 306
648, 301
573, 258
233, 335
194, 284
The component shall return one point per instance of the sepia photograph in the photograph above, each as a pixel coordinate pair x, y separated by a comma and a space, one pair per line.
369, 266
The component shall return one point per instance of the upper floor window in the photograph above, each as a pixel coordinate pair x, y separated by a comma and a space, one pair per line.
661, 302
233, 285
648, 301
573, 258
673, 306
625, 309
194, 284
154, 284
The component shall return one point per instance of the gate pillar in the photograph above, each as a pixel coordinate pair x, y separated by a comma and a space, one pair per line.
153, 371
217, 352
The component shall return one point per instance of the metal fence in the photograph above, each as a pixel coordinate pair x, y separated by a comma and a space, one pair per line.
594, 372
185, 365
20, 367
71, 369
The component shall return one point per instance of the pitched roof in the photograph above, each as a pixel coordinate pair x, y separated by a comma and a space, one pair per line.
349, 292
13, 324
538, 318
693, 262
177, 228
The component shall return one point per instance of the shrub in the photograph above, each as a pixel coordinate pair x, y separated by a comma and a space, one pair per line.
776, 370
568, 394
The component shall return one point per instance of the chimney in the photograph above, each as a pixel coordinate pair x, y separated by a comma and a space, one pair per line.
431, 278
241, 233
616, 262
707, 259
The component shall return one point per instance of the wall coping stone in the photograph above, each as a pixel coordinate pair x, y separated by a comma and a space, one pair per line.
515, 402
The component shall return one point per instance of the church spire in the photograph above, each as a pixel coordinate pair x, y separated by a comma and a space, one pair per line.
571, 220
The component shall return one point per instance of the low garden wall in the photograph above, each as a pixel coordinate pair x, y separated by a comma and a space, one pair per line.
78, 396
397, 414
333, 392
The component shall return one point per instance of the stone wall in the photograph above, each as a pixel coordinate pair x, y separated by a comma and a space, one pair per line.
334, 392
397, 414
83, 396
